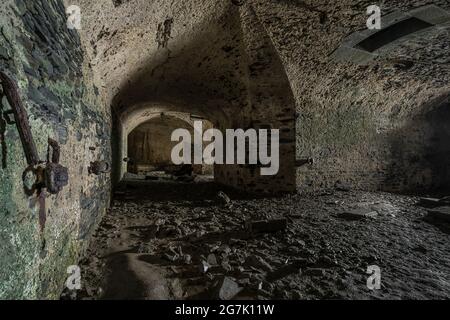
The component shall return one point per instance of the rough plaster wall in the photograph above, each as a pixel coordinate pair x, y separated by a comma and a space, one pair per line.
364, 124
46, 60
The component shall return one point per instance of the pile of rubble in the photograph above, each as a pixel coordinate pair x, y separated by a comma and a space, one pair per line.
210, 244
438, 211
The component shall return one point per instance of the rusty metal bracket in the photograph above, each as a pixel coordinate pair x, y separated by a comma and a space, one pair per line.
99, 167
11, 92
41, 177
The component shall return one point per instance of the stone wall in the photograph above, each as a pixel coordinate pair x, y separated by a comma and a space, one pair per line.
267, 103
45, 58
231, 74
150, 143
372, 125
378, 123
348, 113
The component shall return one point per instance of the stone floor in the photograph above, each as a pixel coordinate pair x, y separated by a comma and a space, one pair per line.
166, 240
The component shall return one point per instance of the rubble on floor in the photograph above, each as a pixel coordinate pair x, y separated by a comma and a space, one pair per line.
273, 225
302, 249
438, 211
441, 213
359, 213
434, 202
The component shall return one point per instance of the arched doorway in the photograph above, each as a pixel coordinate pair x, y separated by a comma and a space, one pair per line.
149, 147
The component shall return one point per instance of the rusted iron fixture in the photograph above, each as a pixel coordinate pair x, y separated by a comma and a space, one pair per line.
99, 167
21, 119
39, 176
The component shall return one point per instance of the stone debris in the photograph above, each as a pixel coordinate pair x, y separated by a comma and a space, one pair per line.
223, 198
284, 272
445, 200
441, 213
226, 289
226, 266
434, 202
314, 272
263, 226
204, 266
212, 260
213, 256
258, 263
342, 186
429, 202
187, 258
359, 213
171, 257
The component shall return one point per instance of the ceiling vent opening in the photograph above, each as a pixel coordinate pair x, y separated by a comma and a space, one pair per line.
392, 33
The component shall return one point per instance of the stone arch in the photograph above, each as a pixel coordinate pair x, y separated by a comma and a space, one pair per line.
229, 73
149, 145
134, 117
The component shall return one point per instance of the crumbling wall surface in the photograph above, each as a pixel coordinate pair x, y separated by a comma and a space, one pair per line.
372, 125
45, 59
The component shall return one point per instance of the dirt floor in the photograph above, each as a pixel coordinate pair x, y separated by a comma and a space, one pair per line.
167, 240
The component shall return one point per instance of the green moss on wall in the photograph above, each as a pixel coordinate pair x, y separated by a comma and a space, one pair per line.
46, 60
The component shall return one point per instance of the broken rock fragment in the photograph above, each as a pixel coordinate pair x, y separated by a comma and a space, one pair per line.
359, 213
429, 202
441, 213
187, 259
342, 186
212, 260
223, 199
434, 202
266, 226
314, 272
445, 200
204, 266
226, 289
258, 263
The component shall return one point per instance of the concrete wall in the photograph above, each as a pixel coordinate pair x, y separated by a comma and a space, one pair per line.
46, 59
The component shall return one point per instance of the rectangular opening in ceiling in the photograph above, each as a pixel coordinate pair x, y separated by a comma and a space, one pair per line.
392, 33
